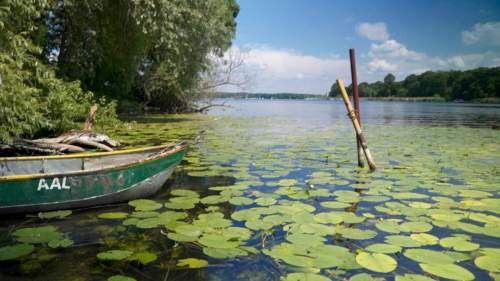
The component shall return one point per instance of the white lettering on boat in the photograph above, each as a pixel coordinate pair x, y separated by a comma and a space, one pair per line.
55, 184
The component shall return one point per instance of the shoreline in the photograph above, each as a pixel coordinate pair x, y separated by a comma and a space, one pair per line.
490, 101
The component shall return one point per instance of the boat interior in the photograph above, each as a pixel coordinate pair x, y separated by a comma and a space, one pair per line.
74, 163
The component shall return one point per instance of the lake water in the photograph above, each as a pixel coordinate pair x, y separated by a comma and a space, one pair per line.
271, 191
373, 112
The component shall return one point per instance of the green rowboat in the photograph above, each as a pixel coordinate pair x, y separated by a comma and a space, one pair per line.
42, 183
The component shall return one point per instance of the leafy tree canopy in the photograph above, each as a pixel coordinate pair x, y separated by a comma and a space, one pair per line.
34, 100
57, 57
475, 84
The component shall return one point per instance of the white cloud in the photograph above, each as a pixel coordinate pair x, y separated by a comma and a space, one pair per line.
376, 31
483, 33
285, 70
395, 57
381, 65
393, 49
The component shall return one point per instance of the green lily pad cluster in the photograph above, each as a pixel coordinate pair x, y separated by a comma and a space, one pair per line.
119, 255
31, 237
216, 234
55, 214
284, 193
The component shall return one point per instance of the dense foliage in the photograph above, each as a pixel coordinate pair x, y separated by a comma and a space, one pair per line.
33, 99
58, 57
142, 51
476, 84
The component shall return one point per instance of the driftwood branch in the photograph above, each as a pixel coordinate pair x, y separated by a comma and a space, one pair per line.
357, 127
71, 141
89, 123
208, 106
25, 147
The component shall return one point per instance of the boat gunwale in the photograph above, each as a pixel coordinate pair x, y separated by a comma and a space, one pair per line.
178, 147
85, 154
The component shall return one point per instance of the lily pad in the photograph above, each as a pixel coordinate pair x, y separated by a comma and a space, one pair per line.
224, 253
488, 263
449, 271
144, 214
335, 205
34, 235
131, 221
383, 248
189, 230
184, 193
357, 234
428, 256
181, 237
376, 262
329, 218
402, 241
192, 263
425, 238
148, 223
305, 239
114, 255
145, 205
55, 214
388, 226
60, 243
113, 215
259, 224
120, 278
144, 257
217, 241
265, 201
458, 244
420, 205
447, 217
15, 251
416, 226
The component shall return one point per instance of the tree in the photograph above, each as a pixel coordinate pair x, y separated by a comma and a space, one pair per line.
389, 79
334, 90
389, 85
481, 83
154, 52
33, 99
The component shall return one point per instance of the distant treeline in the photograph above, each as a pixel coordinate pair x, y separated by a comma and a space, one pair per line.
283, 96
477, 84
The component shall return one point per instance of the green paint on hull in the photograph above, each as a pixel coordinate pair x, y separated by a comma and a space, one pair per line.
73, 188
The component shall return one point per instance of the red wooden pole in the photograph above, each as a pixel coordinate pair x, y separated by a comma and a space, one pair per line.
355, 95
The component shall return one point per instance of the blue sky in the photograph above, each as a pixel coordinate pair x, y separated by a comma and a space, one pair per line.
302, 46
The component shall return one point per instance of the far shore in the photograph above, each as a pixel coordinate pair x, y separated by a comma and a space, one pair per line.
396, 99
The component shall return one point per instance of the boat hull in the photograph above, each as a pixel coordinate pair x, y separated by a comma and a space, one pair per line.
86, 189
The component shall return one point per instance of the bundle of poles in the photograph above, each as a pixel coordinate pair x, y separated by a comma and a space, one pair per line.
353, 113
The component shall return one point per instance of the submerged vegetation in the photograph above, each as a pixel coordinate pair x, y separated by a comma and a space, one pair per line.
481, 84
265, 198
57, 58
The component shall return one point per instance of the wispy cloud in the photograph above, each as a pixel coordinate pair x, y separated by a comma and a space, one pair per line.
374, 31
285, 70
483, 33
392, 56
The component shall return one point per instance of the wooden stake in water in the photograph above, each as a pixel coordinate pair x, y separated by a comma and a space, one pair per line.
357, 127
355, 97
